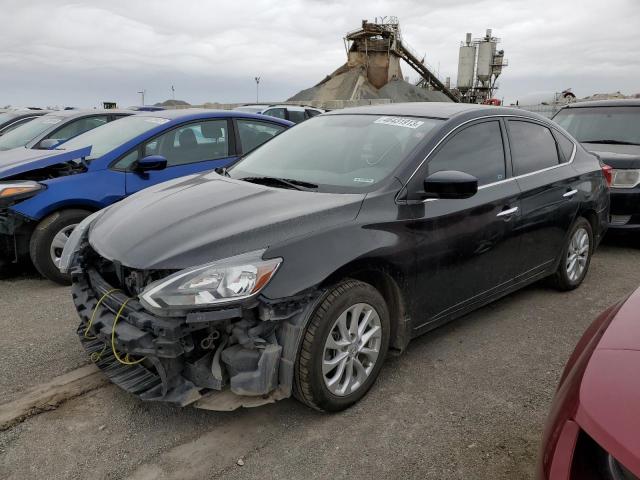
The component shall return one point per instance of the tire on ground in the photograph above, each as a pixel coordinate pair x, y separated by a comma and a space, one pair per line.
309, 385
560, 279
42, 236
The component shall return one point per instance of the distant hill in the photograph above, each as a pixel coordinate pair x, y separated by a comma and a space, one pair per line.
172, 103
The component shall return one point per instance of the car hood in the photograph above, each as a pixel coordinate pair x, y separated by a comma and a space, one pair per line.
21, 160
610, 391
616, 156
198, 219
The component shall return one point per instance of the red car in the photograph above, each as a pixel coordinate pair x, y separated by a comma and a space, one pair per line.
593, 430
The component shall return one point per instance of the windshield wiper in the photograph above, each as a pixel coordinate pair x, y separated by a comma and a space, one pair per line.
287, 182
610, 142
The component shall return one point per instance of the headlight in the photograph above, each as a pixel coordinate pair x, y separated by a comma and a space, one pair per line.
625, 178
72, 247
11, 191
232, 279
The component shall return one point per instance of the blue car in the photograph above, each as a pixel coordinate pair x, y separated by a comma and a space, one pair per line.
54, 128
45, 194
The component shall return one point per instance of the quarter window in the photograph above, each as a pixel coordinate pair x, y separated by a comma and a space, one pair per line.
533, 147
566, 146
254, 133
477, 150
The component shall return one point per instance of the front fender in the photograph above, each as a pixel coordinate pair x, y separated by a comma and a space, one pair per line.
91, 190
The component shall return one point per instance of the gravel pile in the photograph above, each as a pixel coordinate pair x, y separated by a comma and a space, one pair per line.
352, 84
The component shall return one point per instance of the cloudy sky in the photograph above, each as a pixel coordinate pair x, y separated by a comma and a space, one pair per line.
56, 52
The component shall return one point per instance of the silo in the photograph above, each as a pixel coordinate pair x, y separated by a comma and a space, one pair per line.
498, 61
486, 51
466, 63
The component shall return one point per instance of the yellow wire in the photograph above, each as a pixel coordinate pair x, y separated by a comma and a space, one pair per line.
126, 360
95, 356
93, 315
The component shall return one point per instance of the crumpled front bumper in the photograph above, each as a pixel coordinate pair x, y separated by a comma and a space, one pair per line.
247, 350
15, 232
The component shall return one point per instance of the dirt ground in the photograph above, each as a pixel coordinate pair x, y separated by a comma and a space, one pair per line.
468, 400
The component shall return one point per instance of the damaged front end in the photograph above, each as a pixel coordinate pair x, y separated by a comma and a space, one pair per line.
222, 357
15, 228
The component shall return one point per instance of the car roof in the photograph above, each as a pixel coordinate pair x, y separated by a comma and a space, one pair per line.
25, 113
443, 110
195, 113
84, 113
618, 102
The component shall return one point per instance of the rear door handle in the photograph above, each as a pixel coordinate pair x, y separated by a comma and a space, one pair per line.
570, 193
508, 212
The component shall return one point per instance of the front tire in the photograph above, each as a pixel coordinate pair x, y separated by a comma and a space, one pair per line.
576, 256
48, 240
343, 347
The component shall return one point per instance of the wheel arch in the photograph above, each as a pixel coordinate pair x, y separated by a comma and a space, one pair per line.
391, 284
591, 216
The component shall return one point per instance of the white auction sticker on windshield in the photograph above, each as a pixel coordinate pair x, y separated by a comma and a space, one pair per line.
51, 121
399, 122
363, 180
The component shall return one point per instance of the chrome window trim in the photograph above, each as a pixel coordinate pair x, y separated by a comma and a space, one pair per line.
516, 177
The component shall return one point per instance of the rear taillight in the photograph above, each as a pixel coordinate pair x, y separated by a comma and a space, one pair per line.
607, 171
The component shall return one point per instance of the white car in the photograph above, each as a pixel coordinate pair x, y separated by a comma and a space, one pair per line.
293, 113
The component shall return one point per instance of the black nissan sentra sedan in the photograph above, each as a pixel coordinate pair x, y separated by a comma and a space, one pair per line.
296, 270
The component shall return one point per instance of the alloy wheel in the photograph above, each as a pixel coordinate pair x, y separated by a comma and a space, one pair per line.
59, 241
577, 254
352, 349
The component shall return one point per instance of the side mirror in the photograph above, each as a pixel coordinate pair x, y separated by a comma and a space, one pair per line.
450, 184
152, 162
49, 143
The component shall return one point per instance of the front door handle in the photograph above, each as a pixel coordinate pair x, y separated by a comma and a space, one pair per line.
508, 212
570, 193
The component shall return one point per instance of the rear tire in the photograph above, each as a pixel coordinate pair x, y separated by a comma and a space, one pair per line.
576, 256
349, 329
42, 248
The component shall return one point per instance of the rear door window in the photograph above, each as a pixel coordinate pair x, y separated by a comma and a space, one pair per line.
276, 112
477, 150
533, 147
296, 116
79, 126
254, 133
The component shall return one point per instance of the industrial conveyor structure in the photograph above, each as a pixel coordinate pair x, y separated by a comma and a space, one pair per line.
379, 47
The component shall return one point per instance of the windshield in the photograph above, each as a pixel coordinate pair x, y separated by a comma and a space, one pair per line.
22, 135
107, 137
338, 153
602, 124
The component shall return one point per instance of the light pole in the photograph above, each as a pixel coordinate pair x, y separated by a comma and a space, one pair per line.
142, 92
257, 79
173, 92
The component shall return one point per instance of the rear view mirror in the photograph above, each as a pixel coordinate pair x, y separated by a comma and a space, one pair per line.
49, 143
450, 184
151, 162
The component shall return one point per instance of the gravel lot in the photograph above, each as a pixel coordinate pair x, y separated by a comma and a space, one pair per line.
466, 401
